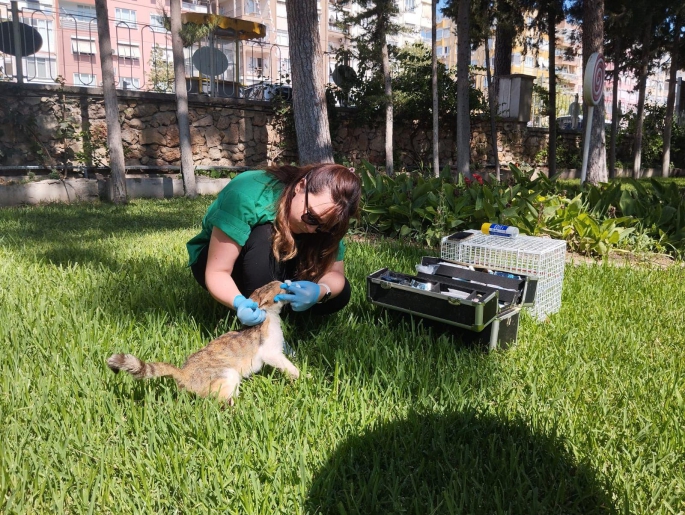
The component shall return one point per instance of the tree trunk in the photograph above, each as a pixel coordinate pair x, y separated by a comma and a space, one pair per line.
387, 90
187, 166
614, 107
463, 115
309, 94
670, 103
642, 90
593, 41
117, 163
493, 109
434, 88
552, 145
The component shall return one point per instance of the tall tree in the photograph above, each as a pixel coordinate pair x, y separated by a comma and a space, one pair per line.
593, 41
434, 88
672, 77
309, 94
375, 17
646, 56
187, 166
463, 113
116, 147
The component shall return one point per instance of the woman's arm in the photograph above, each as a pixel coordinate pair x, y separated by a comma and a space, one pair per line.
222, 255
334, 279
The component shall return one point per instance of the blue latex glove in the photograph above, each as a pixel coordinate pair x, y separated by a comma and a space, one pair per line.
248, 311
302, 295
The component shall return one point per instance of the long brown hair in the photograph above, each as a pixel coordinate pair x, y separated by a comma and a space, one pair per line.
321, 248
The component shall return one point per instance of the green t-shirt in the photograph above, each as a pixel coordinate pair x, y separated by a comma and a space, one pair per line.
248, 200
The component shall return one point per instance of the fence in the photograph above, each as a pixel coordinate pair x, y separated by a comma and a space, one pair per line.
63, 46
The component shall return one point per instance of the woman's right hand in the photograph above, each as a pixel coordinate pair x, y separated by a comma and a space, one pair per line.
248, 311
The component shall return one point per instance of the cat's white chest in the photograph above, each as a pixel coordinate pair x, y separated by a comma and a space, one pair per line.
272, 344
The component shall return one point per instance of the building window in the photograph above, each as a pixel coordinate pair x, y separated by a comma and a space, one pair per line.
251, 6
127, 16
529, 61
282, 38
284, 66
409, 5
85, 79
44, 28
257, 66
157, 23
40, 68
128, 50
79, 12
82, 45
129, 82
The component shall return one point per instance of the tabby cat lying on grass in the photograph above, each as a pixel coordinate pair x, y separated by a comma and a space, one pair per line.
218, 368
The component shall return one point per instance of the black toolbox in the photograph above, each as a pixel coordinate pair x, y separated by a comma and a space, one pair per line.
485, 304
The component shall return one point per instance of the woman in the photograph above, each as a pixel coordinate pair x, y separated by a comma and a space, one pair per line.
283, 223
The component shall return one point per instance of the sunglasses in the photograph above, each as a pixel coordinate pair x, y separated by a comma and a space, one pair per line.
307, 217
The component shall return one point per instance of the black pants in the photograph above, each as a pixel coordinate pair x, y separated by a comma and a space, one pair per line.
256, 266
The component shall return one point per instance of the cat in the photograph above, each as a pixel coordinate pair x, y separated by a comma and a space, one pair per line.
218, 368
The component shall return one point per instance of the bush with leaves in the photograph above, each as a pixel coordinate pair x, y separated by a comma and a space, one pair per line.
652, 138
594, 221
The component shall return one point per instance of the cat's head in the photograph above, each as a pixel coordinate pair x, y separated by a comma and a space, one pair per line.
264, 296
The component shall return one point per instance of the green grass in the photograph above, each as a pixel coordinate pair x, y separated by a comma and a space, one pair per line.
584, 415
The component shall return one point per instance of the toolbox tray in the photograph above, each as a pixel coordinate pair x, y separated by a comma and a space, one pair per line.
474, 312
512, 291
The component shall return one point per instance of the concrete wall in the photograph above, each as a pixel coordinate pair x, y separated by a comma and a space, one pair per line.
23, 191
224, 132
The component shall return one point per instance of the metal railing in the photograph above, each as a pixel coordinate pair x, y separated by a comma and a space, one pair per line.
142, 54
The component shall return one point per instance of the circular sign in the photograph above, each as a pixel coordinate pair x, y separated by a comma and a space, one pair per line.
31, 40
593, 82
202, 60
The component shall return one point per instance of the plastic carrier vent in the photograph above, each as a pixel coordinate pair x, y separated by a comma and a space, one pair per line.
543, 258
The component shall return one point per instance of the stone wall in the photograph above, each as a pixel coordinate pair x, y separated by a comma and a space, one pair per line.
224, 132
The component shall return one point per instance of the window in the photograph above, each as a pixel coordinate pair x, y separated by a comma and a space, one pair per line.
157, 23
128, 50
79, 13
280, 10
85, 79
282, 38
40, 68
251, 6
446, 50
439, 51
426, 35
126, 16
516, 59
46, 31
284, 66
257, 65
409, 5
82, 45
128, 82
529, 61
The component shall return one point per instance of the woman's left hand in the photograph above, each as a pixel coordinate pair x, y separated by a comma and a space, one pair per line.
301, 295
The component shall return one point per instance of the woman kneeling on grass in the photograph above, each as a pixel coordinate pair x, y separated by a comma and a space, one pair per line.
283, 223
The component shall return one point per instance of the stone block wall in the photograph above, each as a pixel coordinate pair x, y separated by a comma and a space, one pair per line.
224, 132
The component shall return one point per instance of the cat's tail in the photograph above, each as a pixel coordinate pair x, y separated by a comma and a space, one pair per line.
141, 370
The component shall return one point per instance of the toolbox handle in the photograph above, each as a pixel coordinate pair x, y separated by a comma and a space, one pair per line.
386, 285
454, 301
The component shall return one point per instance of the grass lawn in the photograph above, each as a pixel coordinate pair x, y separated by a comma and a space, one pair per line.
584, 415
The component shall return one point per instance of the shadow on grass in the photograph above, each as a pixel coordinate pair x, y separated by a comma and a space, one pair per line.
55, 222
455, 463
